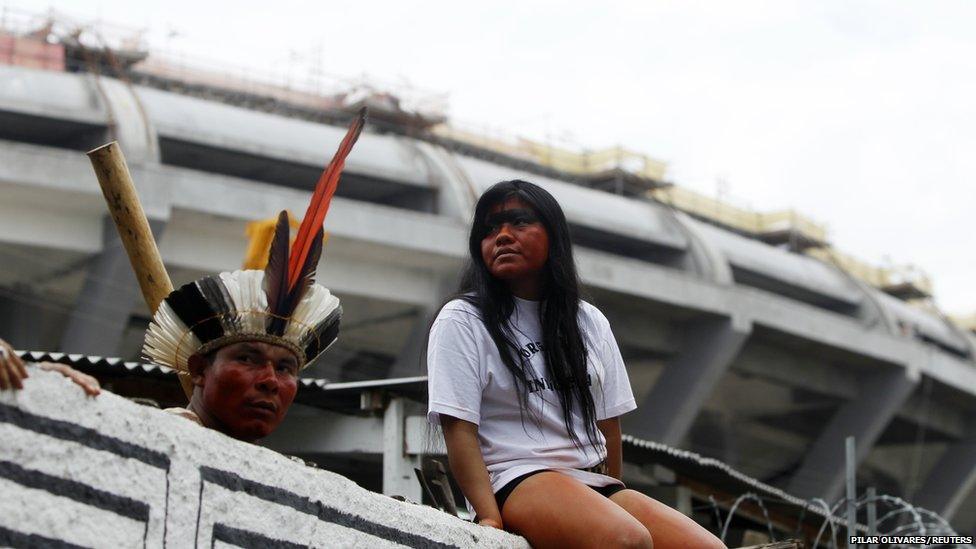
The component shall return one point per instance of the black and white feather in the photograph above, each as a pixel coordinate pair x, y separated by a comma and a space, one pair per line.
215, 311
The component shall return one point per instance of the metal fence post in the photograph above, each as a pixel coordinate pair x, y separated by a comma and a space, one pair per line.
851, 462
872, 495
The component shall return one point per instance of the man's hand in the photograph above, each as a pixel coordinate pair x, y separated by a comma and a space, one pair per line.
12, 369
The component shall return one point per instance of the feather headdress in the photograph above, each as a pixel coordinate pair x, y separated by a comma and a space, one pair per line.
281, 305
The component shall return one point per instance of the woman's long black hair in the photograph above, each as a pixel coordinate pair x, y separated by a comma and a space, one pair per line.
562, 341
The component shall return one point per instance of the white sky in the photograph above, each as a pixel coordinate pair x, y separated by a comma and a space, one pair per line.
860, 114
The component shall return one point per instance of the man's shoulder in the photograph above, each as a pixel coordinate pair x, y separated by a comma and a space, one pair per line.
185, 414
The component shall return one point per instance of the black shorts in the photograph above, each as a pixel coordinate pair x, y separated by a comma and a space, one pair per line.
502, 495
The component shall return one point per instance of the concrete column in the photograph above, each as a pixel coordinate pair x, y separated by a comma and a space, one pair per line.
399, 478
821, 474
669, 409
101, 313
952, 479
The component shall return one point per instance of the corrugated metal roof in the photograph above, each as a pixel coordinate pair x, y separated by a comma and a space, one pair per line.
709, 470
72, 359
313, 391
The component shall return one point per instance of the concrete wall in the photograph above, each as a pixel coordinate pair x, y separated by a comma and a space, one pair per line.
105, 472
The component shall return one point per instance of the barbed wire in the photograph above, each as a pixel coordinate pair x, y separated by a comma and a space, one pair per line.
923, 522
828, 519
759, 501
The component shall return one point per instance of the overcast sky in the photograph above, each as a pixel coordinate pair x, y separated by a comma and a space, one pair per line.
860, 114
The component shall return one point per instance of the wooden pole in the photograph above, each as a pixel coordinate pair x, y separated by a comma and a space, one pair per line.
130, 220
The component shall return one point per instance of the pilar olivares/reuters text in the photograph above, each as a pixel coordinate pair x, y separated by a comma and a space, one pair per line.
921, 541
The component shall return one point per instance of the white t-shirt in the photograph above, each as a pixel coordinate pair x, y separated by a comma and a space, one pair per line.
469, 381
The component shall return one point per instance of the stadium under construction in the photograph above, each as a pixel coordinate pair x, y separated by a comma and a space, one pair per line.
748, 338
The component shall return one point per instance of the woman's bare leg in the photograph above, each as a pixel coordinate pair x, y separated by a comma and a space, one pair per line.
554, 510
670, 528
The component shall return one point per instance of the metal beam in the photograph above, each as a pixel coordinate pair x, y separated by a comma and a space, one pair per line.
110, 292
821, 474
952, 479
668, 411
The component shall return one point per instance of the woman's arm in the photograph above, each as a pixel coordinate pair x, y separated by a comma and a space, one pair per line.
610, 428
468, 468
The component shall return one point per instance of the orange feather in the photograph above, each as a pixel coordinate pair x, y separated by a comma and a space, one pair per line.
319, 205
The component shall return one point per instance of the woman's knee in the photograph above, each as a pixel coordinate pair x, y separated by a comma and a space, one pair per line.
629, 536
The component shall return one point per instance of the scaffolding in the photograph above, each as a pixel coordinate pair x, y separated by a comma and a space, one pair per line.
778, 227
905, 282
615, 169
798, 233
966, 322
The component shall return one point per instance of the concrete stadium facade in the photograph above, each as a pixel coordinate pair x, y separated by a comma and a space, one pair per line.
760, 357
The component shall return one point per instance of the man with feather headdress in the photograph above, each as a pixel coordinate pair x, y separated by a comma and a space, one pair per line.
243, 353
243, 336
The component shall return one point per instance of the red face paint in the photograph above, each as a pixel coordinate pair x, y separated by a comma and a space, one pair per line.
516, 247
249, 387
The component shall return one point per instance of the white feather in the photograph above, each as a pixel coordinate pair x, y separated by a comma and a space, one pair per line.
169, 341
314, 306
247, 291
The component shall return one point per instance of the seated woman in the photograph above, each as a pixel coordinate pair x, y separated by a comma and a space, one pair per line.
528, 384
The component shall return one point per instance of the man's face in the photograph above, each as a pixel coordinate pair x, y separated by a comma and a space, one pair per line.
248, 388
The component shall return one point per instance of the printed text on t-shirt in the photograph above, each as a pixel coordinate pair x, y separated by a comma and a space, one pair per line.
529, 350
